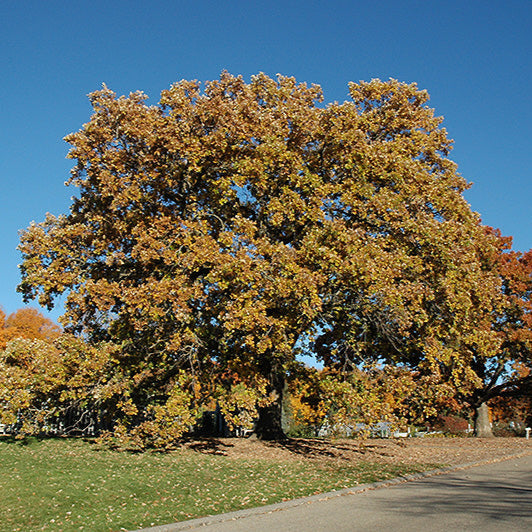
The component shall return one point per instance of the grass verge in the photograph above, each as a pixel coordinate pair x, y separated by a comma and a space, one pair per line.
70, 485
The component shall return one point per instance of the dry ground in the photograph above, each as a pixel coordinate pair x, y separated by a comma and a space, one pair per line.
434, 450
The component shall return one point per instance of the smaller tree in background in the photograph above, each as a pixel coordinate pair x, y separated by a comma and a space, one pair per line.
27, 323
516, 408
506, 372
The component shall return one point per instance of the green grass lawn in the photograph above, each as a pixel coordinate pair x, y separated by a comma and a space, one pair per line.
71, 485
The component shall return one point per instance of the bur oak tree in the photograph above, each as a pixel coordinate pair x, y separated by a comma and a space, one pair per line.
223, 231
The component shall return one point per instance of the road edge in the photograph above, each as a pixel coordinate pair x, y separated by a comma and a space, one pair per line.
260, 510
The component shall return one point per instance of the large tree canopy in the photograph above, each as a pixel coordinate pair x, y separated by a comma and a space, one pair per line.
222, 232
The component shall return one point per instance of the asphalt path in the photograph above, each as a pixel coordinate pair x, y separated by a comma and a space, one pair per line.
488, 497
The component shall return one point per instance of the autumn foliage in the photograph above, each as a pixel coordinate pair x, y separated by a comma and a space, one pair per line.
225, 231
26, 323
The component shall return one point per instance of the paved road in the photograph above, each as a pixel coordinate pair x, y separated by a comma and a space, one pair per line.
495, 497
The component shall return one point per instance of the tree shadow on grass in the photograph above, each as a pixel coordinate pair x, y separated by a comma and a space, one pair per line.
318, 448
209, 445
310, 448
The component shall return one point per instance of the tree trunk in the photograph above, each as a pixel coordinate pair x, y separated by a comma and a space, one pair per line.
482, 422
269, 424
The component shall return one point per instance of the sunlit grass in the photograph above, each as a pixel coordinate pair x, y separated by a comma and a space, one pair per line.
70, 485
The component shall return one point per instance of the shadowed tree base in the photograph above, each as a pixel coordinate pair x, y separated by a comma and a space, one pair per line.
269, 423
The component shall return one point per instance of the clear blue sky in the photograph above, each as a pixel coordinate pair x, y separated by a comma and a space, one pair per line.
473, 57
